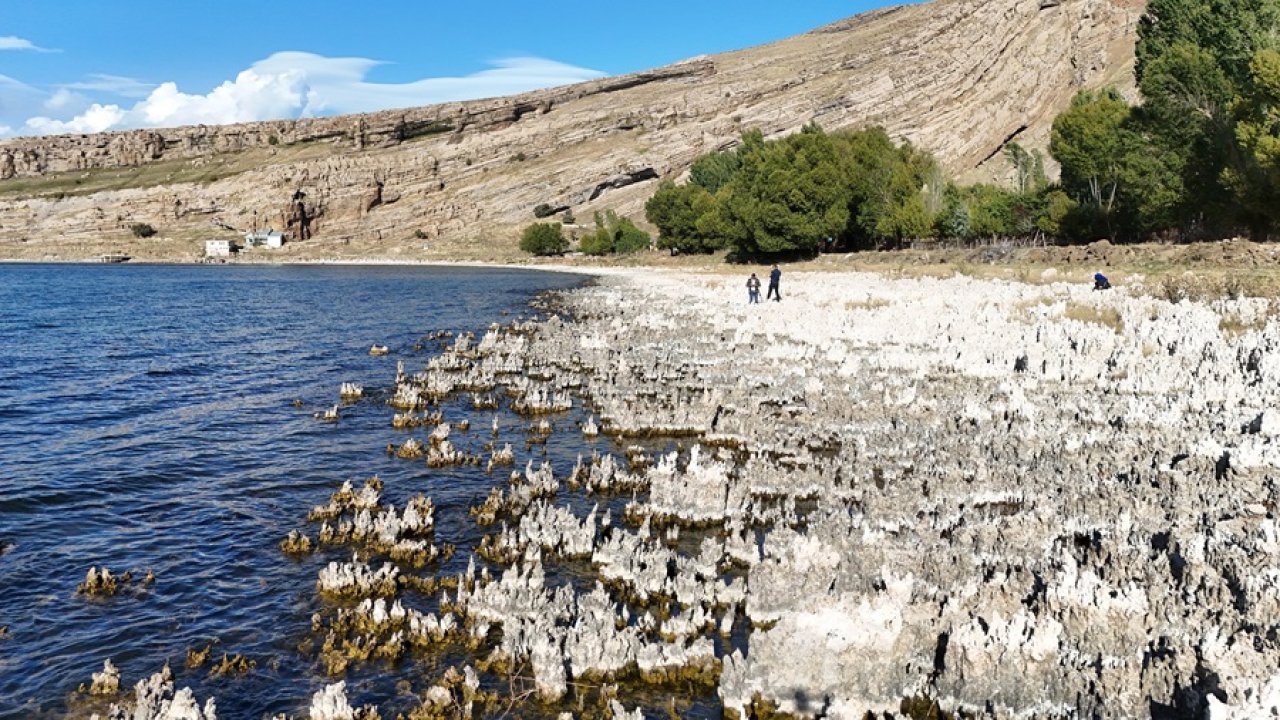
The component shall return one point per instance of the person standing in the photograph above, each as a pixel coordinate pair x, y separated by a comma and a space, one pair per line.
753, 289
775, 277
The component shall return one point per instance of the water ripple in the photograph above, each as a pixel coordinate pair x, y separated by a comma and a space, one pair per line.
147, 421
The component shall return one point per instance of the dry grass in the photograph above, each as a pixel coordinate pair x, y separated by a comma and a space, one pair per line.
1105, 316
1233, 324
1204, 271
1026, 310
1213, 284
868, 304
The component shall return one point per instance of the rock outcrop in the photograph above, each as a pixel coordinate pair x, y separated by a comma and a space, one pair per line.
993, 499
959, 77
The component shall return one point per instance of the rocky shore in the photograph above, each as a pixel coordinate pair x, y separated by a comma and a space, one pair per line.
915, 496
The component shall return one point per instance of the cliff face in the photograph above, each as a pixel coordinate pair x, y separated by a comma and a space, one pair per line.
958, 77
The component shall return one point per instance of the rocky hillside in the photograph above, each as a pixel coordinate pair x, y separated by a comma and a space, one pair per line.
959, 77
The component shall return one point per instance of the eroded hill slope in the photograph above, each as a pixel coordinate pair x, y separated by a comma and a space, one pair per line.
959, 77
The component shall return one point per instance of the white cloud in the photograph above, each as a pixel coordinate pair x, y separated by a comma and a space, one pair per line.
63, 100
337, 85
297, 84
9, 83
251, 96
96, 119
114, 84
10, 42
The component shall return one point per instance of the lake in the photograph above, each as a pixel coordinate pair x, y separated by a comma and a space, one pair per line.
161, 418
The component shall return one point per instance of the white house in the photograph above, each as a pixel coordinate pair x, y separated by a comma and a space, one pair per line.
264, 238
220, 248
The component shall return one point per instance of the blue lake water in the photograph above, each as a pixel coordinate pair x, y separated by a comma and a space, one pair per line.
149, 420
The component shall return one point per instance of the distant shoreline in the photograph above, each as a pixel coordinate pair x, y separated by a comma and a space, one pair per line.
1230, 268
574, 269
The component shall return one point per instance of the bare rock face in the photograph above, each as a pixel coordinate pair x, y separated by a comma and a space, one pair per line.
959, 77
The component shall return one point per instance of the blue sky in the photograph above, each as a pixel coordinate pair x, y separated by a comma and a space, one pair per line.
93, 65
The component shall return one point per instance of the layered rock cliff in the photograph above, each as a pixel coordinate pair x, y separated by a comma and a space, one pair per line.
959, 77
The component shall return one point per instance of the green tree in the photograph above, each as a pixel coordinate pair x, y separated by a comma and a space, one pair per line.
1126, 179
990, 212
1185, 119
788, 196
1194, 67
1155, 197
1057, 208
987, 211
1255, 179
614, 234
675, 210
543, 239
1230, 31
1087, 139
905, 220
714, 170
952, 221
1028, 166
885, 184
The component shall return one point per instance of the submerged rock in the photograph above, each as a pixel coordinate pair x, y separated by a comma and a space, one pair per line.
106, 682
155, 699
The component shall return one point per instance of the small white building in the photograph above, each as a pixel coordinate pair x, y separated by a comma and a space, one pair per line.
220, 248
272, 239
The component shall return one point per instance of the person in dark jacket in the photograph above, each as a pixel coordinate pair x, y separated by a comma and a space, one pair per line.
1100, 282
753, 289
775, 277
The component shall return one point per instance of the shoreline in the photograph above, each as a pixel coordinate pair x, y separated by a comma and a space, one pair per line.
873, 494
1204, 271
572, 269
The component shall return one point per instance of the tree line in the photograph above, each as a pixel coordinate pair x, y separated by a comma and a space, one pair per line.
1199, 156
851, 189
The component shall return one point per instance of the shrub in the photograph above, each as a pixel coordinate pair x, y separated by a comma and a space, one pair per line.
542, 210
597, 242
676, 210
1057, 211
543, 239
614, 234
627, 238
142, 230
